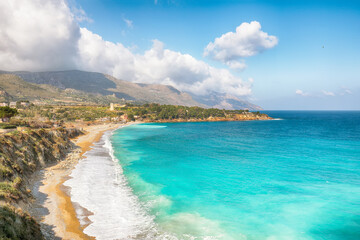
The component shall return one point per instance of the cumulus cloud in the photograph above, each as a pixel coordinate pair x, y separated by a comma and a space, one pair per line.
248, 40
327, 93
157, 65
44, 35
186, 73
301, 93
37, 35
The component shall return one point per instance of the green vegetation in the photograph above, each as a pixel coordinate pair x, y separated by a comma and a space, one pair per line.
21, 153
6, 126
69, 113
7, 112
146, 112
8, 191
17, 225
157, 112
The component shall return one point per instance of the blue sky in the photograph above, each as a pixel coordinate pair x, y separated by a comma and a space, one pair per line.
277, 54
318, 47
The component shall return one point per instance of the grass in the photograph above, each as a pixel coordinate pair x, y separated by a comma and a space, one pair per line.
7, 190
6, 126
16, 225
5, 171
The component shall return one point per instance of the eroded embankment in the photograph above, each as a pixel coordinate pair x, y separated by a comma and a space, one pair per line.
21, 154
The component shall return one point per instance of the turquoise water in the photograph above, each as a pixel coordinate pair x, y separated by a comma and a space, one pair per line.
294, 178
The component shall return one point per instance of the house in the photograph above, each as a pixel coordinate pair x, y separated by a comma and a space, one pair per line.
4, 104
124, 117
12, 104
25, 104
116, 105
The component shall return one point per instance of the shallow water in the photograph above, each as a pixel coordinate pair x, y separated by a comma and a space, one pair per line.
296, 178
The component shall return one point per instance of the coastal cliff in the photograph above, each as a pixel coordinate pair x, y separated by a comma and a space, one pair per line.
21, 154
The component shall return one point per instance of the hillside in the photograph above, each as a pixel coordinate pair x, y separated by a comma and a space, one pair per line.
22, 154
101, 85
14, 88
92, 87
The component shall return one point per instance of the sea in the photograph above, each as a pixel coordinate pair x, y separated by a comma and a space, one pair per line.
295, 177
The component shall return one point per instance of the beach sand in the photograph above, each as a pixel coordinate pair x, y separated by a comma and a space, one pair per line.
60, 214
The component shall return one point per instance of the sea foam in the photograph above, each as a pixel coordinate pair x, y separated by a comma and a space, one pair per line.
97, 184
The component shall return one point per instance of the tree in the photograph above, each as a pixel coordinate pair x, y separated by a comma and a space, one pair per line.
131, 117
7, 112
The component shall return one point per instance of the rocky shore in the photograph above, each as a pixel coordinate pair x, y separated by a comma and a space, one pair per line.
33, 165
23, 154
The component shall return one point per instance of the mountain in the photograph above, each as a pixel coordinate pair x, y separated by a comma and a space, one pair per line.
14, 88
225, 101
98, 84
92, 87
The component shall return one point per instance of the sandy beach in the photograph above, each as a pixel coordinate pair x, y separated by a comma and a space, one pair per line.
60, 211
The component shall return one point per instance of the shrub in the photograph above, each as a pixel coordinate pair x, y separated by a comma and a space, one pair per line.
7, 126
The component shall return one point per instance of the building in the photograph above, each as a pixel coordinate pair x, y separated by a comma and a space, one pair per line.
4, 104
12, 104
25, 104
114, 105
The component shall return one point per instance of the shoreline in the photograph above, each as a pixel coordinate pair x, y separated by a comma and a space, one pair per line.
61, 212
61, 218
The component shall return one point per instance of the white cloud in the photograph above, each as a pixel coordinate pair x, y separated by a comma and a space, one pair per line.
248, 40
327, 93
157, 65
129, 23
301, 93
44, 35
240, 65
37, 35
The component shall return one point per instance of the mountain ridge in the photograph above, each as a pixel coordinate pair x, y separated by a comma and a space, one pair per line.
103, 88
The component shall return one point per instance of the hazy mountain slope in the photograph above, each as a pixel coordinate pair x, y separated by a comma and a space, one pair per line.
98, 83
225, 101
93, 87
153, 93
90, 82
12, 87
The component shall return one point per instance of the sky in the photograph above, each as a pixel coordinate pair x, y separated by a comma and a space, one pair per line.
278, 54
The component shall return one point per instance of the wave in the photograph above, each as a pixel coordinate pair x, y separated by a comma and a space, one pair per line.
150, 126
98, 184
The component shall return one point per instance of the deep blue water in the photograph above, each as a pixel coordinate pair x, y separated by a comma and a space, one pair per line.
294, 178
